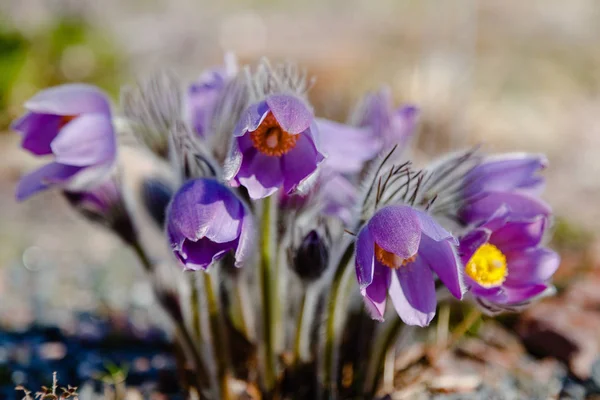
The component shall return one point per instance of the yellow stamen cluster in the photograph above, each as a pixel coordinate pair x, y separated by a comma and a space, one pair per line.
487, 266
391, 260
271, 140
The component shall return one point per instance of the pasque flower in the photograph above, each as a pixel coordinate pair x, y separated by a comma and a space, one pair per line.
397, 252
202, 97
275, 144
505, 263
73, 123
205, 220
392, 126
509, 180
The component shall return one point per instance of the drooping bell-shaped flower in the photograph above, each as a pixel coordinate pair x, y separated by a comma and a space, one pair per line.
275, 145
505, 262
206, 220
397, 252
73, 124
509, 180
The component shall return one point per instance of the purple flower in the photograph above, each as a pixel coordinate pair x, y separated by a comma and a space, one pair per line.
73, 123
397, 252
202, 97
509, 180
205, 220
275, 144
347, 147
392, 126
513, 172
505, 263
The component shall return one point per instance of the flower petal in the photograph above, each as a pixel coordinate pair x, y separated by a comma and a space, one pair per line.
520, 206
431, 228
196, 255
520, 294
37, 131
347, 147
412, 291
531, 266
43, 178
506, 172
204, 208
70, 99
516, 235
247, 241
397, 229
87, 140
251, 119
260, 174
472, 241
443, 260
299, 163
365, 257
291, 113
375, 294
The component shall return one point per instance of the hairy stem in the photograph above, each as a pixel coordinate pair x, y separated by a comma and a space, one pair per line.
219, 338
267, 291
329, 365
385, 340
195, 307
300, 328
182, 333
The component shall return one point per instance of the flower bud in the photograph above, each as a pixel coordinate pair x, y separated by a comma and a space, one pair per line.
311, 257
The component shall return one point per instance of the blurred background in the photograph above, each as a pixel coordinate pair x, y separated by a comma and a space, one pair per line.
516, 76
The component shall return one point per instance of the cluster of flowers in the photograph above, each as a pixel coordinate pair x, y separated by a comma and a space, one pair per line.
259, 175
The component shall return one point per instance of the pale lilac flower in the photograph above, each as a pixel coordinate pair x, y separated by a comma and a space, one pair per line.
393, 126
505, 263
202, 97
206, 220
397, 252
73, 123
275, 145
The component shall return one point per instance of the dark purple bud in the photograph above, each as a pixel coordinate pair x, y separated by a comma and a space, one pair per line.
311, 257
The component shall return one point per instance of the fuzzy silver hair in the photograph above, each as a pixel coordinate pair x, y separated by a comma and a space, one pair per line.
152, 107
283, 78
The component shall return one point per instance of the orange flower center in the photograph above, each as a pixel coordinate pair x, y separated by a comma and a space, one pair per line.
271, 140
391, 260
65, 119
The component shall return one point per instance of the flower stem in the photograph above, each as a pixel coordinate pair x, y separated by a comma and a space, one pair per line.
267, 291
195, 307
174, 312
329, 365
385, 340
300, 327
463, 327
219, 338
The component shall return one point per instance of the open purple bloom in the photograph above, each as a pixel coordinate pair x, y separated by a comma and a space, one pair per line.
505, 263
202, 97
73, 123
275, 144
205, 220
393, 126
397, 252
